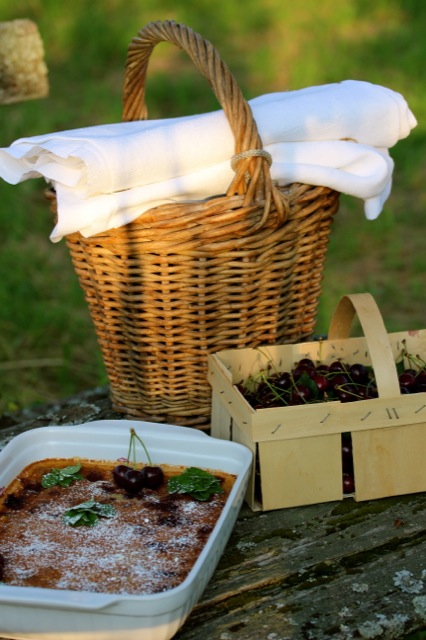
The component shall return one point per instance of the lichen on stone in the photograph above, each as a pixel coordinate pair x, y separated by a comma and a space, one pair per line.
389, 628
370, 629
360, 587
406, 581
393, 625
419, 603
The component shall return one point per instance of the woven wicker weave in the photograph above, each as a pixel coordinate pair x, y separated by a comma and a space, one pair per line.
242, 269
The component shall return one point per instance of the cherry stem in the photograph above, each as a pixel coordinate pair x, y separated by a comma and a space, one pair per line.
278, 394
133, 436
131, 445
415, 360
341, 387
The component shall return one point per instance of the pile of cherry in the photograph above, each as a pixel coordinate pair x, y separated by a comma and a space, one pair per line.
308, 383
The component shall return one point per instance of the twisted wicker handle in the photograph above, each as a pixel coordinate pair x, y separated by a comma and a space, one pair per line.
365, 307
251, 163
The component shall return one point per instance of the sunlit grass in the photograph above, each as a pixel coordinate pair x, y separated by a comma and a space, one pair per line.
48, 347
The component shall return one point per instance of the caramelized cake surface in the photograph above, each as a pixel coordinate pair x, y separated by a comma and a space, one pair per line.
148, 546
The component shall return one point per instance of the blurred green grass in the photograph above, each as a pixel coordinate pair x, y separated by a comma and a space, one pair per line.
48, 348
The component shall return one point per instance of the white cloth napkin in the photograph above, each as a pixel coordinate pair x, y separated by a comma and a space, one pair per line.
108, 175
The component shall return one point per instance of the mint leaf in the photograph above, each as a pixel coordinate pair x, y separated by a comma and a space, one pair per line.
88, 513
63, 477
199, 484
69, 471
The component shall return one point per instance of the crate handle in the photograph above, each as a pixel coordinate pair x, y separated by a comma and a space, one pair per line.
250, 163
380, 350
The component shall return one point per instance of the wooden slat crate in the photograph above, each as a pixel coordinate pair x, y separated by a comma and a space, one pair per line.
297, 449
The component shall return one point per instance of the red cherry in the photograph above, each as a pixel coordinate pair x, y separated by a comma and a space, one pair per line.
358, 373
421, 381
302, 392
339, 380
307, 362
337, 367
283, 381
372, 391
300, 370
414, 372
119, 473
407, 381
347, 459
133, 481
322, 382
347, 393
348, 483
152, 477
323, 369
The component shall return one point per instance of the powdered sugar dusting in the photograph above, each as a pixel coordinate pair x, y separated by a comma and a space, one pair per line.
148, 546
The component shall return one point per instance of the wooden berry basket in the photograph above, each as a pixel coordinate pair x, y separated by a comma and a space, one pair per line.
298, 448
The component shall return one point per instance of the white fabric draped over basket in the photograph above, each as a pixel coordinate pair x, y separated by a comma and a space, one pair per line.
336, 135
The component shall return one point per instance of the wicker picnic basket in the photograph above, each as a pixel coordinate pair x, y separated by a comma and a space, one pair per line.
240, 269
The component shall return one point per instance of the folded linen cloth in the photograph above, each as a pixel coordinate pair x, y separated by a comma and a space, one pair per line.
345, 166
108, 175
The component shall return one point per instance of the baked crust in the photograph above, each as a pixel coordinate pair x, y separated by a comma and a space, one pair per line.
149, 546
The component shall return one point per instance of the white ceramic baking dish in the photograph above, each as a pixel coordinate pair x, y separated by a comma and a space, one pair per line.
49, 614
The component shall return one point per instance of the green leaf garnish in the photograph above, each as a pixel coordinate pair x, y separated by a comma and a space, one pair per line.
63, 477
199, 484
400, 367
306, 380
88, 513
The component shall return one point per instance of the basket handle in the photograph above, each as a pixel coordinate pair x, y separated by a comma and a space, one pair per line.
382, 358
250, 163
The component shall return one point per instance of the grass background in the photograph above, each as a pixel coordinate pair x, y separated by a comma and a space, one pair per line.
48, 348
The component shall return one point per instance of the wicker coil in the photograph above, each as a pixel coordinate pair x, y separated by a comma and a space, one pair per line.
241, 269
